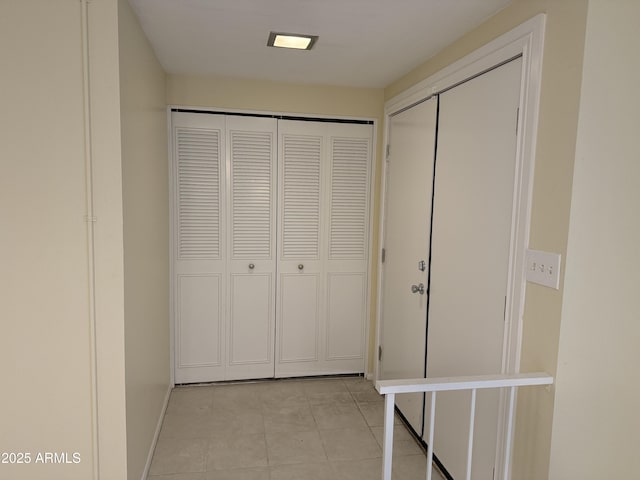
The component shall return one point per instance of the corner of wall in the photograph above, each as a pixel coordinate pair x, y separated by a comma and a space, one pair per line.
145, 207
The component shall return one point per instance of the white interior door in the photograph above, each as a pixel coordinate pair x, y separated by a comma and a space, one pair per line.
199, 246
472, 223
251, 270
406, 243
324, 181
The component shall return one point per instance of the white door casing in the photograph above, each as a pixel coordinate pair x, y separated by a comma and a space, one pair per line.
408, 198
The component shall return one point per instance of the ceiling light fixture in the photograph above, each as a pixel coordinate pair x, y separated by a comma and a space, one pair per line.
291, 40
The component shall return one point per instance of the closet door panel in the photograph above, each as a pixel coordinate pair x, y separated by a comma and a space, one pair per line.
299, 321
300, 150
346, 294
252, 176
198, 173
349, 192
251, 324
300, 183
199, 327
347, 195
251, 157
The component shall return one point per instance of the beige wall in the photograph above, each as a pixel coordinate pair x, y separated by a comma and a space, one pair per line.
596, 427
255, 95
560, 95
146, 236
44, 345
45, 305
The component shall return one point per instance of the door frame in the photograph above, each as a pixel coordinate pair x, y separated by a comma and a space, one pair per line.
526, 40
370, 292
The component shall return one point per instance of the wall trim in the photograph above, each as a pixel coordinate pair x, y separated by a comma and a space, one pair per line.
156, 435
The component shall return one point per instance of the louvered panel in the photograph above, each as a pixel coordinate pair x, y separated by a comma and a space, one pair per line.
301, 197
251, 173
198, 193
349, 198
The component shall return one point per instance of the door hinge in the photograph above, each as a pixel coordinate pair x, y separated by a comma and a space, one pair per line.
379, 353
383, 256
388, 150
517, 119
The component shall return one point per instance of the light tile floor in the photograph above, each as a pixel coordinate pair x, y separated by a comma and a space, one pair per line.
307, 429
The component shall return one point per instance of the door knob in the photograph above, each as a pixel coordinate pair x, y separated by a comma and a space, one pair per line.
300, 266
251, 266
418, 288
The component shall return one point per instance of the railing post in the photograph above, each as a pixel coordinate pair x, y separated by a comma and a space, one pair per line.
432, 426
472, 421
387, 445
507, 453
390, 388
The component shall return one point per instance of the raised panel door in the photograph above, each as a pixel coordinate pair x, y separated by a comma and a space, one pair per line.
251, 157
199, 247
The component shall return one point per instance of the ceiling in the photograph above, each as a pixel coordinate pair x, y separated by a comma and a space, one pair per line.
363, 43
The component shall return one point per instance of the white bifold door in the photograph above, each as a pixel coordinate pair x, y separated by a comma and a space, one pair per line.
270, 246
224, 249
324, 171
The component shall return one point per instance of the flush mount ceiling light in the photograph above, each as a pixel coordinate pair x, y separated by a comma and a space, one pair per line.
291, 40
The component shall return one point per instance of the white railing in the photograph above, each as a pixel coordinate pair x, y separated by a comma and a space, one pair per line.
389, 388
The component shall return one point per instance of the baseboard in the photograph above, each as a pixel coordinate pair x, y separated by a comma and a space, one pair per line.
152, 449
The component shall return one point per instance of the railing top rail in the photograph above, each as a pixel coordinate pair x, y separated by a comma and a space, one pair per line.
477, 382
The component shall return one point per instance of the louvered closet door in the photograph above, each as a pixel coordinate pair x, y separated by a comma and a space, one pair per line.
346, 278
251, 152
322, 247
199, 248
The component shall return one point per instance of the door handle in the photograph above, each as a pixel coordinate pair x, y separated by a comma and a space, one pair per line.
418, 288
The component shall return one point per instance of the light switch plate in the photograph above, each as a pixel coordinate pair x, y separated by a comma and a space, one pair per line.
543, 268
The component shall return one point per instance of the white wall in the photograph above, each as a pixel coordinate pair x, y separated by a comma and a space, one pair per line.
596, 427
146, 237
